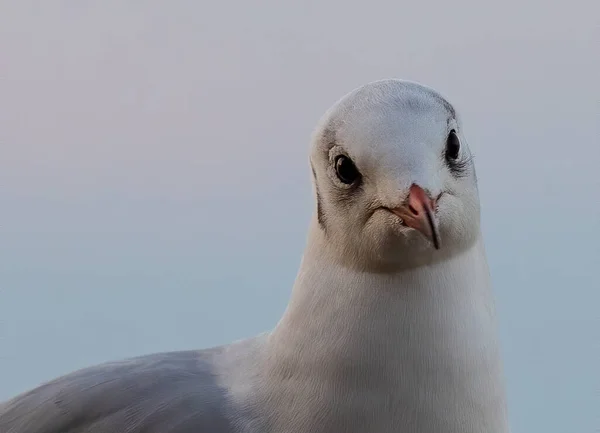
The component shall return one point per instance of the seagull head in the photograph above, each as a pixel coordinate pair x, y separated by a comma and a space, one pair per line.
394, 178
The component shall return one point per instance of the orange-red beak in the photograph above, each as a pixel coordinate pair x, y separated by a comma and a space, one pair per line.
419, 213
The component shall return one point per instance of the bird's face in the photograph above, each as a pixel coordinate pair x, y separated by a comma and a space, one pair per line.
394, 178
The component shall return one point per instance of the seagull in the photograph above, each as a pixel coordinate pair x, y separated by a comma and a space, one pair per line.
391, 323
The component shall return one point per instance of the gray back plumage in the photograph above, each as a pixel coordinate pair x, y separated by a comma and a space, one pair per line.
162, 393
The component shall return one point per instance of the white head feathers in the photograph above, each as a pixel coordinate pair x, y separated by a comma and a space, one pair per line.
369, 150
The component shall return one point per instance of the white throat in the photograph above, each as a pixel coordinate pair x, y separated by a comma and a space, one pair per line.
382, 352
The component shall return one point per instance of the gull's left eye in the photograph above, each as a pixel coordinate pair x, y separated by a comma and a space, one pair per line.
457, 163
452, 146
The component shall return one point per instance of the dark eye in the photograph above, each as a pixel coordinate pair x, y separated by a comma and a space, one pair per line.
452, 146
346, 170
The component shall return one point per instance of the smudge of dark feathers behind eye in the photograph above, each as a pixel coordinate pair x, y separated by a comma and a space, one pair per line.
459, 167
442, 101
320, 212
449, 108
329, 136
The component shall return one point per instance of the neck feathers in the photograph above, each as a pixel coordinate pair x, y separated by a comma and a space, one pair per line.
392, 346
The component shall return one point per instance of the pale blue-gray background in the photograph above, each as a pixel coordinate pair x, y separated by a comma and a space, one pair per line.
154, 185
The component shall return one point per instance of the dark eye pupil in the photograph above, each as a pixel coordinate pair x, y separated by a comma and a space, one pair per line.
452, 146
346, 170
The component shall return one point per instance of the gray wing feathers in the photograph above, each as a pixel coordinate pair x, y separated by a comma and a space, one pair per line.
163, 393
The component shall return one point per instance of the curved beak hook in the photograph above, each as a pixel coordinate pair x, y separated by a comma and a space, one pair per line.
419, 213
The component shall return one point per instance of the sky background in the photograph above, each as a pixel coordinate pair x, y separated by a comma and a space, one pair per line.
155, 189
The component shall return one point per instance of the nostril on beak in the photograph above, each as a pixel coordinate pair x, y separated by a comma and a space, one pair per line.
413, 210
